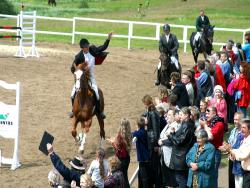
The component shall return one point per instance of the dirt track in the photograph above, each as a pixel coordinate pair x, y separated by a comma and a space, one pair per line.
46, 84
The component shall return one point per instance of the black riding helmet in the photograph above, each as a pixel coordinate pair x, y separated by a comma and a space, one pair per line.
166, 27
79, 58
84, 43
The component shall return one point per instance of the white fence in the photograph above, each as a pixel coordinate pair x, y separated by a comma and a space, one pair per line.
130, 35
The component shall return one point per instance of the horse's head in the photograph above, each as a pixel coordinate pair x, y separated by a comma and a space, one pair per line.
165, 60
84, 81
209, 33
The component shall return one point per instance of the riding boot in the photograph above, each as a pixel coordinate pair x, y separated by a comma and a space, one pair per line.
98, 109
157, 81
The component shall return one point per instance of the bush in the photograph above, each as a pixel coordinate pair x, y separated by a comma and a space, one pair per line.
84, 4
7, 8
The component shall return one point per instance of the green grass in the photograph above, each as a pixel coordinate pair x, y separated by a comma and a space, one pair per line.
222, 13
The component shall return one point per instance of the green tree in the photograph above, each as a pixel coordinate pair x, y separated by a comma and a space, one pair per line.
84, 4
6, 7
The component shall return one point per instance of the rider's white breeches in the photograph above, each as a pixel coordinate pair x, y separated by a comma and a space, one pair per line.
197, 36
94, 86
159, 65
173, 61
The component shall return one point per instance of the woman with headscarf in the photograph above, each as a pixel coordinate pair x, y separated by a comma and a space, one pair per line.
219, 102
200, 160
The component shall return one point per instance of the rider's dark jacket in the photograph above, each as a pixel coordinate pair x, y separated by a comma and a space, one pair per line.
171, 47
97, 52
201, 23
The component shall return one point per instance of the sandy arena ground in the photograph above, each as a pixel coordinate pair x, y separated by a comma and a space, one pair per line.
46, 84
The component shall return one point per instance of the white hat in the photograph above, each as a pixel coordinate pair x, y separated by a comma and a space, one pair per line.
218, 87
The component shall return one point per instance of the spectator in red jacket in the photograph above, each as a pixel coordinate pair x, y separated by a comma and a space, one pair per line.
215, 130
242, 88
218, 76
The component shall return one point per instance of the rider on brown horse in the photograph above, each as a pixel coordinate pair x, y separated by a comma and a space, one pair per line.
93, 55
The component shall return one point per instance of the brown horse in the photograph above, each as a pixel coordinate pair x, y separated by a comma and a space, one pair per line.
84, 110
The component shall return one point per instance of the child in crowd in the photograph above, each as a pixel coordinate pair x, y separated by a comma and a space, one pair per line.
122, 145
98, 169
86, 181
195, 115
164, 94
54, 179
143, 155
115, 178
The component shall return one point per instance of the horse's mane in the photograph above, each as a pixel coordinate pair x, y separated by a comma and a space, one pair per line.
84, 86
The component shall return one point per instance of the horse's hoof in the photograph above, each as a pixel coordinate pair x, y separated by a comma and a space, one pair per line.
71, 114
81, 150
157, 83
102, 115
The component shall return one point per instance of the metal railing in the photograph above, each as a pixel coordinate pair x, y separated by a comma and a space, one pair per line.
130, 34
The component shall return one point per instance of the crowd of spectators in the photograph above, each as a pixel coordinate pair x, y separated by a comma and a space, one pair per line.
186, 148
180, 137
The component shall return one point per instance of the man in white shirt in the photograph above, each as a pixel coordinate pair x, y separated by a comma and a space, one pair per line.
243, 152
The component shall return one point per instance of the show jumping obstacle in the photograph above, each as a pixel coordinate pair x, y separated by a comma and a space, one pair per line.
9, 124
10, 36
27, 21
9, 27
26, 24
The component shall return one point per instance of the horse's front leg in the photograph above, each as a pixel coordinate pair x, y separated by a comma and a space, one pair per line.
205, 55
101, 124
74, 125
85, 129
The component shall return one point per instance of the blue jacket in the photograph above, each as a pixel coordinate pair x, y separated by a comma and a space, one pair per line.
205, 84
142, 145
66, 173
246, 50
206, 166
237, 169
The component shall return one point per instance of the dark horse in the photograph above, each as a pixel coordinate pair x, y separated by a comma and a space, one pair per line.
204, 44
84, 110
167, 67
52, 2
